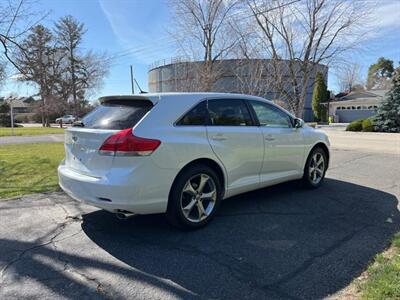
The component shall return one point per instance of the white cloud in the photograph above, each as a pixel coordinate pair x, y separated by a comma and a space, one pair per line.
138, 27
386, 14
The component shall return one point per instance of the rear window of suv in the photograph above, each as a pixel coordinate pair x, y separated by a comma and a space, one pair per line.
116, 114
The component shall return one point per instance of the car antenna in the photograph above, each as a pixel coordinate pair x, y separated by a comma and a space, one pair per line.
141, 91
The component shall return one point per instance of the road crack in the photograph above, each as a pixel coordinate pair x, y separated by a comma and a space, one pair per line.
99, 287
308, 263
52, 240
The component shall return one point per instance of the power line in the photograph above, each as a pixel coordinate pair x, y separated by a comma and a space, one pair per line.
133, 50
160, 44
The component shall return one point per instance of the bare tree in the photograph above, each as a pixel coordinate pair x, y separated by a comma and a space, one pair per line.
17, 18
306, 33
256, 75
93, 70
203, 33
349, 77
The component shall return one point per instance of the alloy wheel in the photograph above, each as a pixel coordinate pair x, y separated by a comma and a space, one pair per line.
198, 197
316, 168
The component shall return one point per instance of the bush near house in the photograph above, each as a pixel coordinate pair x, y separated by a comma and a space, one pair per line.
356, 125
25, 118
368, 125
5, 120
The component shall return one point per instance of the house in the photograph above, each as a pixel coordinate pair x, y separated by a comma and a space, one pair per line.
20, 104
355, 105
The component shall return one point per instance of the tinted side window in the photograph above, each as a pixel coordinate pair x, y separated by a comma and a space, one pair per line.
270, 116
196, 116
229, 112
116, 114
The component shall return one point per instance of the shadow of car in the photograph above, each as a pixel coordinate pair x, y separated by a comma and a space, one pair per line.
281, 242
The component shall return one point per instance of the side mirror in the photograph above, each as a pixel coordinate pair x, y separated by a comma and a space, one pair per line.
298, 123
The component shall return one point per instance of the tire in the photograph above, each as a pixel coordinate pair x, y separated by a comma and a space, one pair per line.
186, 198
313, 176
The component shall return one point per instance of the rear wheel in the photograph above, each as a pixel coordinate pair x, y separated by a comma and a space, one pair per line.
194, 198
315, 168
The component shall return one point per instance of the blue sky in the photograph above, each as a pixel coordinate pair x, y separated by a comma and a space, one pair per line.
136, 32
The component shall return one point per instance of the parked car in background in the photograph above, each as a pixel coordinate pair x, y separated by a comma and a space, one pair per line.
67, 119
183, 153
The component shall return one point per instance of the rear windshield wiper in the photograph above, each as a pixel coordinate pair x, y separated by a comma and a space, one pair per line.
78, 124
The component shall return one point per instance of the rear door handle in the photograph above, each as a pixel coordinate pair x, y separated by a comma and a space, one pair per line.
218, 137
269, 138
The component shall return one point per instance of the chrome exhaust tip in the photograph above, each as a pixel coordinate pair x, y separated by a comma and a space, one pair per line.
123, 215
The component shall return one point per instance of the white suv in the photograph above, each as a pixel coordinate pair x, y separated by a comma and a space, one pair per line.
66, 119
181, 154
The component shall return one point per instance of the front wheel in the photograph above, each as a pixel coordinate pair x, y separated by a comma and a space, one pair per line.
194, 198
315, 168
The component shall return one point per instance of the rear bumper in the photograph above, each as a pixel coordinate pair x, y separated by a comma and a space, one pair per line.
143, 194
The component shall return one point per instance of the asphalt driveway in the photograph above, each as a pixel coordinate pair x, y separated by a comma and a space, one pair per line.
283, 242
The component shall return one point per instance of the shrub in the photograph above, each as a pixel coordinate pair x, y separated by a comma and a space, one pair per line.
368, 125
356, 125
5, 120
4, 108
22, 118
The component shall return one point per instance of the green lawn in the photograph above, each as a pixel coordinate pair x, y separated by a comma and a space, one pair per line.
29, 168
383, 276
6, 131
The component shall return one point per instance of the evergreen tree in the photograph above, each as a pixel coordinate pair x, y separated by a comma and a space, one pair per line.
37, 64
380, 73
388, 117
320, 95
69, 34
85, 69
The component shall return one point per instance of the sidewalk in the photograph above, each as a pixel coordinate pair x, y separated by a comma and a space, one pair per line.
48, 138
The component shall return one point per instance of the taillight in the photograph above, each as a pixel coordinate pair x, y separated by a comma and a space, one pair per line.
125, 143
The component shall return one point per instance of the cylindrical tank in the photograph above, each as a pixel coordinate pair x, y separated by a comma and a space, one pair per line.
254, 77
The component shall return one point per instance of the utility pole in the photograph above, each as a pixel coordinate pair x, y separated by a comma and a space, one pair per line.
132, 84
12, 117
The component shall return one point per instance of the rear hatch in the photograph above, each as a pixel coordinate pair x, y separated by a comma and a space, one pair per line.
85, 137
